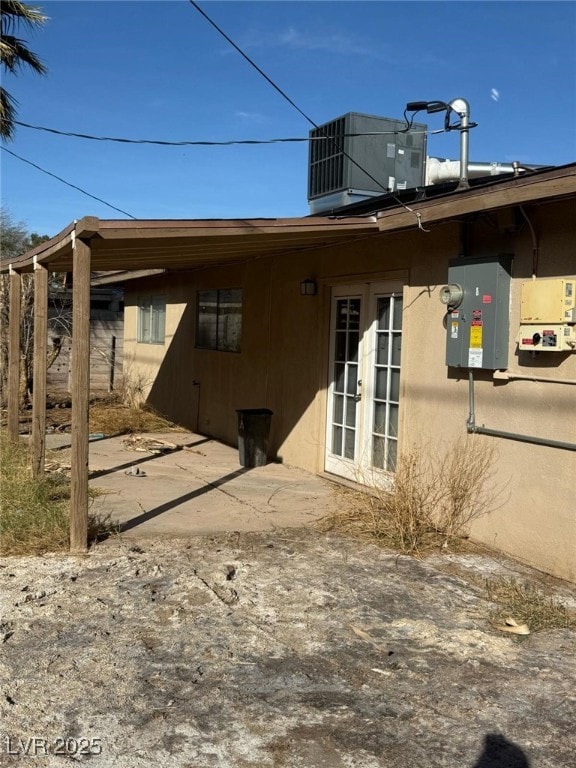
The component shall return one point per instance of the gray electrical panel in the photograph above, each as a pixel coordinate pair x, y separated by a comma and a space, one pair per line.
478, 317
345, 168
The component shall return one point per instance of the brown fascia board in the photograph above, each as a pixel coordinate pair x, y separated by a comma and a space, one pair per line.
158, 228
41, 253
84, 229
539, 186
121, 229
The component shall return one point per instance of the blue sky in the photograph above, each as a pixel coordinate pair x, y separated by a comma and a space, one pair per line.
158, 70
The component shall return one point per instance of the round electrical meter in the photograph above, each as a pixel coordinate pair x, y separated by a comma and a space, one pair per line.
451, 295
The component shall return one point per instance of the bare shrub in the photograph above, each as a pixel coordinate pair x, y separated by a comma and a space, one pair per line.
136, 383
432, 500
125, 411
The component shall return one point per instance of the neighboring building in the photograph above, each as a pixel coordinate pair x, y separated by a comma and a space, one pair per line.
106, 338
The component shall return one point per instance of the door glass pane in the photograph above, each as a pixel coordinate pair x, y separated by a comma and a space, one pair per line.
382, 349
392, 455
397, 321
396, 345
341, 314
350, 412
352, 380
395, 384
378, 446
340, 351
339, 377
393, 425
380, 418
353, 341
337, 440
383, 314
338, 409
381, 381
354, 315
349, 440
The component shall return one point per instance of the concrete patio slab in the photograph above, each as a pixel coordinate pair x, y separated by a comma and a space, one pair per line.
200, 488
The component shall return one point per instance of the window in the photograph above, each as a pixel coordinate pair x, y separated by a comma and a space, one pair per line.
151, 319
219, 320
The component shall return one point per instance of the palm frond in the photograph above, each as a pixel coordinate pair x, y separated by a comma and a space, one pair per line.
14, 53
14, 12
7, 114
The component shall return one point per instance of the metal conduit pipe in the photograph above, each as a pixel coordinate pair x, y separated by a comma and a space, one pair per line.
472, 428
509, 376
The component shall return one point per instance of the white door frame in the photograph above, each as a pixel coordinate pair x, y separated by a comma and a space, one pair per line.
358, 464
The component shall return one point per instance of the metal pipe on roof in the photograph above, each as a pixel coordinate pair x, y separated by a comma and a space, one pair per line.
439, 171
462, 108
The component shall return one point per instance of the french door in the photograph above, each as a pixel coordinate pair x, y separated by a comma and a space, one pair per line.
364, 381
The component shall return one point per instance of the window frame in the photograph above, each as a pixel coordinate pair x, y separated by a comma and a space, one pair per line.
148, 305
211, 333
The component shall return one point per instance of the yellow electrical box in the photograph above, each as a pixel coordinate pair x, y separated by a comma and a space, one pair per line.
549, 300
548, 315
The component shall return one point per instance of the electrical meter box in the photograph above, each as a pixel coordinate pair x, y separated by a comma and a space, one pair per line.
548, 315
478, 318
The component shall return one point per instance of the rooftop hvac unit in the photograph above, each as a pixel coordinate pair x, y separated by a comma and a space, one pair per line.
342, 160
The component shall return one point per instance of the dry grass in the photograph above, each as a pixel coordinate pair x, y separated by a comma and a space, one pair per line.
432, 501
527, 604
114, 418
34, 512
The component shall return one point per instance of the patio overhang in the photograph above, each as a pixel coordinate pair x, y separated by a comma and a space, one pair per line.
175, 245
125, 248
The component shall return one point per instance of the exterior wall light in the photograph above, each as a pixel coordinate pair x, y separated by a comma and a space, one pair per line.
308, 287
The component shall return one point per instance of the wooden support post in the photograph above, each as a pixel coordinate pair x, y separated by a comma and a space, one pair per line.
80, 395
40, 363
14, 355
112, 364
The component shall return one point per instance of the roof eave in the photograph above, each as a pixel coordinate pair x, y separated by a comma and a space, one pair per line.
558, 183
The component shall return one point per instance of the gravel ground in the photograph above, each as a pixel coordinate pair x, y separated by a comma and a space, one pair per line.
278, 650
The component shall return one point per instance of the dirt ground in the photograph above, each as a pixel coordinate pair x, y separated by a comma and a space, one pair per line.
278, 650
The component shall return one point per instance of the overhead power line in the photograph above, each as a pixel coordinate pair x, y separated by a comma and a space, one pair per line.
68, 184
297, 108
204, 143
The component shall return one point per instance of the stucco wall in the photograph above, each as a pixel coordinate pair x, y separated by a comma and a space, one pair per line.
283, 365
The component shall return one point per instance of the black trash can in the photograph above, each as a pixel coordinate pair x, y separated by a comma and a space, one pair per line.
253, 434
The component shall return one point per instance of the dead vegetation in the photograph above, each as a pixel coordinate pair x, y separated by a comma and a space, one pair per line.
112, 418
432, 500
34, 516
34, 512
528, 605
429, 507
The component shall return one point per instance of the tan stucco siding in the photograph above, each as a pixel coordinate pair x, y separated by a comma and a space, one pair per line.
283, 365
